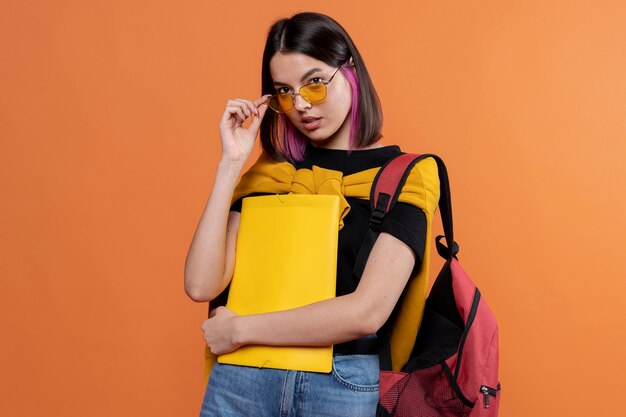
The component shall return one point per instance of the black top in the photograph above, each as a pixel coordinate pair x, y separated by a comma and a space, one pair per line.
406, 222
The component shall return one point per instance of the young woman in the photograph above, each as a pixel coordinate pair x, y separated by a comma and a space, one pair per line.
319, 107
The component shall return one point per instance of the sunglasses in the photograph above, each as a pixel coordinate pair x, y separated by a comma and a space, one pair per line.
314, 92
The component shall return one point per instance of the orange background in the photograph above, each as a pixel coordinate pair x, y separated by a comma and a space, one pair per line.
109, 127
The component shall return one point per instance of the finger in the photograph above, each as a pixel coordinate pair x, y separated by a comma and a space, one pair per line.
256, 121
232, 110
248, 106
262, 99
243, 106
258, 102
231, 107
236, 101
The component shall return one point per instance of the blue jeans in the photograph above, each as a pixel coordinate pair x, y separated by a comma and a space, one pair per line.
351, 389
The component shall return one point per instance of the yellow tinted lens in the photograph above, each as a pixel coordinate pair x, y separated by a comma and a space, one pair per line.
285, 102
274, 104
313, 93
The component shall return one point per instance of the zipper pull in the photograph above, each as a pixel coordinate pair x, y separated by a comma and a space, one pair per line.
485, 390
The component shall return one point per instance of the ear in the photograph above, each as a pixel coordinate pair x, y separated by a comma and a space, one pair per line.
351, 62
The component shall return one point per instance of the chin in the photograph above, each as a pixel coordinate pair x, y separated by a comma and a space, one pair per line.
319, 139
315, 136
320, 136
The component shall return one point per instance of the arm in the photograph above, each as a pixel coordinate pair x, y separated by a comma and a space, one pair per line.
326, 322
210, 259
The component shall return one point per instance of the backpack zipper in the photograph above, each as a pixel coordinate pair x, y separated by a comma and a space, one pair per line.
488, 391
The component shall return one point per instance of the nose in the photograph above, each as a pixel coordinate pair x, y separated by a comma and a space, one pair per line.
300, 103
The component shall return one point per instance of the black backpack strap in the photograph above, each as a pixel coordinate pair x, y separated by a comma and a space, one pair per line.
451, 248
384, 194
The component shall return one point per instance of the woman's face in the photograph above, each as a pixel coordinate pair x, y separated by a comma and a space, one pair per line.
326, 123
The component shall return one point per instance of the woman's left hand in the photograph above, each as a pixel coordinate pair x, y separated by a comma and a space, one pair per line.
219, 332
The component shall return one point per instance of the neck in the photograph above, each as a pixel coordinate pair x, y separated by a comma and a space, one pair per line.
341, 148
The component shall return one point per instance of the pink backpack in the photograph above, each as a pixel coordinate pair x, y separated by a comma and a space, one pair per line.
453, 368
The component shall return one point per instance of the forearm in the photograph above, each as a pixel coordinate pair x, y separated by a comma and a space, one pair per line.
319, 324
205, 263
332, 321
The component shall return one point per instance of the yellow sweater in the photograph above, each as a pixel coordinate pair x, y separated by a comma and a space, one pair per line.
421, 189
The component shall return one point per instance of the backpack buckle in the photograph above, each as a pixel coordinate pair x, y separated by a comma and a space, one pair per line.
379, 212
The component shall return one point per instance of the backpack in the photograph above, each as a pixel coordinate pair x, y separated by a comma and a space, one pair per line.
453, 367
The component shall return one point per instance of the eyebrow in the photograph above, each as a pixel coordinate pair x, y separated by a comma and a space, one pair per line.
304, 77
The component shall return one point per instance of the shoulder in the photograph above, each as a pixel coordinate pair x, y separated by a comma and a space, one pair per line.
421, 186
266, 175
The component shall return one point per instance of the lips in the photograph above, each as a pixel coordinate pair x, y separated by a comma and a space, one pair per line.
311, 123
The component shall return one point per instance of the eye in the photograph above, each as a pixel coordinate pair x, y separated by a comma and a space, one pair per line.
282, 90
316, 80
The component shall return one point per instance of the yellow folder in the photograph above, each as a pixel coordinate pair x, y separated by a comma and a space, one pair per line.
286, 257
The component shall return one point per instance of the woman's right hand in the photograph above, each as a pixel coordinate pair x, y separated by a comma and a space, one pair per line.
237, 141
